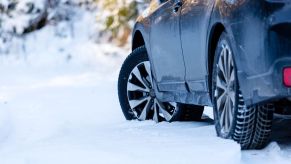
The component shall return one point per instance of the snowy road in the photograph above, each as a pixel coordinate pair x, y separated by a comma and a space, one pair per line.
68, 115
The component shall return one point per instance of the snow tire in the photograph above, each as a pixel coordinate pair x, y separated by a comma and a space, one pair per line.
249, 126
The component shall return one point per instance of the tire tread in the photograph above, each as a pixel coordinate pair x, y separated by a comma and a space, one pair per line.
253, 125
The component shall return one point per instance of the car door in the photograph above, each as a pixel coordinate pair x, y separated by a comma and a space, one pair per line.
166, 51
195, 15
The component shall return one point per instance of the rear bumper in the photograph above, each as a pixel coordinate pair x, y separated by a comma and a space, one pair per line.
267, 86
264, 51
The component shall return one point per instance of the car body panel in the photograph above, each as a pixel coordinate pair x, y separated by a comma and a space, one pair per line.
194, 41
165, 32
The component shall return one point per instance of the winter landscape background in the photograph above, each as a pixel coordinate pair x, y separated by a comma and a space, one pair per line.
59, 62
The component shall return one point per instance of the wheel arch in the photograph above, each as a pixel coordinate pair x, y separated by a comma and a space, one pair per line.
138, 40
215, 33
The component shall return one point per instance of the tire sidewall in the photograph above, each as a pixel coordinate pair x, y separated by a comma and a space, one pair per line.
224, 38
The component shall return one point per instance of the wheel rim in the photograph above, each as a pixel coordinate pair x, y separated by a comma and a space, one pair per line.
225, 92
142, 99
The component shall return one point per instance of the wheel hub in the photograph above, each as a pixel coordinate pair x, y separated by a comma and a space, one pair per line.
229, 89
152, 93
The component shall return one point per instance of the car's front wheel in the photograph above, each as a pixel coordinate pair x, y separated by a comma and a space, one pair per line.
137, 96
249, 126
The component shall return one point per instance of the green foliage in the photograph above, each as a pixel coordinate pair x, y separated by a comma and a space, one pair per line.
109, 21
119, 16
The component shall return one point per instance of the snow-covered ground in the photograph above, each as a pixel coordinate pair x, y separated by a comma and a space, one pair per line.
58, 104
68, 112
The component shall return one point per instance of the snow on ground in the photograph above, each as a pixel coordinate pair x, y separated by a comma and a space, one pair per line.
69, 113
58, 104
63, 114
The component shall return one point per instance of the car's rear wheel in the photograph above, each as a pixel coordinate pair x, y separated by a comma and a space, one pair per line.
137, 95
249, 126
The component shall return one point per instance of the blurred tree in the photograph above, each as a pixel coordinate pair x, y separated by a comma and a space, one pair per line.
18, 17
118, 17
22, 16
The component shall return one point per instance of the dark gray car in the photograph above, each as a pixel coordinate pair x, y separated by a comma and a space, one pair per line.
233, 55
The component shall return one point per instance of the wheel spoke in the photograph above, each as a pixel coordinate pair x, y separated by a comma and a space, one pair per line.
227, 117
165, 113
221, 67
220, 83
134, 87
173, 104
156, 114
148, 69
231, 78
145, 110
134, 103
138, 75
222, 117
225, 61
221, 100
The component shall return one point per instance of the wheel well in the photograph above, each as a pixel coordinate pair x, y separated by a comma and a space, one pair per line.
215, 33
137, 40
